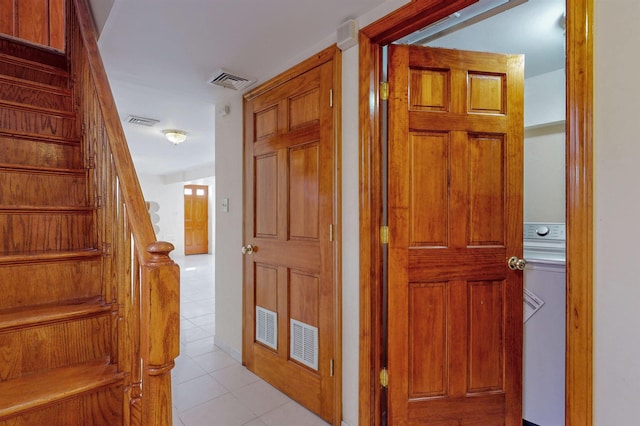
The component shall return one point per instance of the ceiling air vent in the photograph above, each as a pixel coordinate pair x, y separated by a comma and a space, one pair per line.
229, 80
133, 119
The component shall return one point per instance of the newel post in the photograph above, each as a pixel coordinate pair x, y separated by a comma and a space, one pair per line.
159, 332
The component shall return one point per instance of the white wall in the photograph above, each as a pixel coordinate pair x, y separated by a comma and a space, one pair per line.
350, 237
229, 229
617, 203
544, 98
544, 174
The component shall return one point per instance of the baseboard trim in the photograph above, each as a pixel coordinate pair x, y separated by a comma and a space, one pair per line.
229, 350
528, 423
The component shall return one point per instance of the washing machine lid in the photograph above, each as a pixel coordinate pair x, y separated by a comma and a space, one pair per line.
545, 242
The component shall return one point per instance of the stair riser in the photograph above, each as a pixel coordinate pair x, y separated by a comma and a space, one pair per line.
42, 189
37, 123
35, 97
37, 232
45, 283
27, 152
56, 345
102, 408
32, 74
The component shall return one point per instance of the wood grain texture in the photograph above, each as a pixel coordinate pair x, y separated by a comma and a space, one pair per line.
34, 21
291, 199
46, 230
579, 215
40, 153
371, 250
74, 278
24, 92
29, 393
43, 188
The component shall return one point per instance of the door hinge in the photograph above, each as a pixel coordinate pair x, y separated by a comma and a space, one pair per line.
331, 98
331, 368
384, 90
331, 232
384, 234
384, 378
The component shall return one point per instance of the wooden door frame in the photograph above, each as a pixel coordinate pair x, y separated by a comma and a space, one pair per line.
579, 195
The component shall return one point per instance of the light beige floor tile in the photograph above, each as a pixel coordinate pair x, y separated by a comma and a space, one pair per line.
199, 347
255, 422
196, 333
260, 397
234, 377
186, 369
292, 414
197, 391
226, 410
214, 361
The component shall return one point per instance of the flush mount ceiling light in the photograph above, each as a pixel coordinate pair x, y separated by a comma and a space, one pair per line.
175, 136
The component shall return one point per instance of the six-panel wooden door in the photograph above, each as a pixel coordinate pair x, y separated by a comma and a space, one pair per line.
291, 300
455, 217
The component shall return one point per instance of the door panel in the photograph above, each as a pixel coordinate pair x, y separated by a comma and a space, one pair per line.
289, 208
455, 217
196, 219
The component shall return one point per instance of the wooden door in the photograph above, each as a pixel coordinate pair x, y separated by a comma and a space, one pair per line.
291, 329
196, 219
455, 217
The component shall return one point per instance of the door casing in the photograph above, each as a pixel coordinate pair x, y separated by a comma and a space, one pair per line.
579, 194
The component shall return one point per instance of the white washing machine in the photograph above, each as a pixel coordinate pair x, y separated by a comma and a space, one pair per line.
544, 326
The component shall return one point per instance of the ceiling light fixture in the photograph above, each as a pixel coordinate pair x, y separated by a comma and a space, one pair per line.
175, 136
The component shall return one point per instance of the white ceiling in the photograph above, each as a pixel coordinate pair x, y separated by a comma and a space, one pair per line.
159, 54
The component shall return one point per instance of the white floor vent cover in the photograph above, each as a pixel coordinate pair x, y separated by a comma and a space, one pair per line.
532, 304
304, 344
267, 327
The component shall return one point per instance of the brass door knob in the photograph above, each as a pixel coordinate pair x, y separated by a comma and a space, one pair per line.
248, 249
516, 263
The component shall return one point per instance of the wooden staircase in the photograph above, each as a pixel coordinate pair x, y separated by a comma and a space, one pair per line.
55, 323
88, 297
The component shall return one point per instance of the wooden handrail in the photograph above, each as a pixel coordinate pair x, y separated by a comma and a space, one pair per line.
139, 276
141, 227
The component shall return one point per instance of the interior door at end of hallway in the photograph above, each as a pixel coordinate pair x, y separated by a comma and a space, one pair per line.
196, 219
455, 217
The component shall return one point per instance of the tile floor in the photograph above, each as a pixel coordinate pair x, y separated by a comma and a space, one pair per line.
210, 388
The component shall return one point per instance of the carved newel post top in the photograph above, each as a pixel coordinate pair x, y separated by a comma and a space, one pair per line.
159, 251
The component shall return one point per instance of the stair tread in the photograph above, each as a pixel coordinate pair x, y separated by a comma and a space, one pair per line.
39, 137
48, 256
63, 91
35, 108
25, 316
36, 390
39, 169
5, 57
46, 209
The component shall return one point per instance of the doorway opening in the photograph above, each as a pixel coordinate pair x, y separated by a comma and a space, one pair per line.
579, 83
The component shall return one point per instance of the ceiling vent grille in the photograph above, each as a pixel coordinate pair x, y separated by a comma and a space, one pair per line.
142, 121
230, 80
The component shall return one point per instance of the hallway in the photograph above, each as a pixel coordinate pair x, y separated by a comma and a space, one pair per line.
210, 388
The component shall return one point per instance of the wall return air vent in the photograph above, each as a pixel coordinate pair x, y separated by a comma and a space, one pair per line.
230, 80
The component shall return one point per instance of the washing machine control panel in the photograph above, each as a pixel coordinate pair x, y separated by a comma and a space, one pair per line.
544, 231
